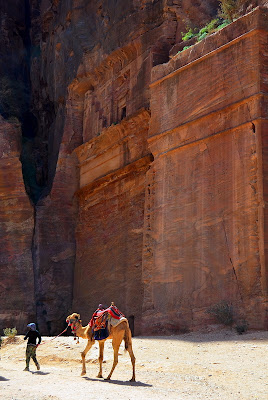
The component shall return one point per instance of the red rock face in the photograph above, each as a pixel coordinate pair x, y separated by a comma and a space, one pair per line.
54, 245
16, 229
109, 233
107, 73
146, 168
16, 212
205, 240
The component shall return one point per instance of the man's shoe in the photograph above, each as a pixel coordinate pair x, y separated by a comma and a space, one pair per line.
38, 367
26, 369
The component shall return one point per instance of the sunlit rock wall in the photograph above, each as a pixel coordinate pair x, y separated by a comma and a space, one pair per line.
205, 240
91, 80
89, 64
109, 231
74, 40
113, 80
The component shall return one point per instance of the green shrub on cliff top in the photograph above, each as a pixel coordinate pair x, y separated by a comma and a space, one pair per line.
188, 35
211, 27
208, 29
229, 10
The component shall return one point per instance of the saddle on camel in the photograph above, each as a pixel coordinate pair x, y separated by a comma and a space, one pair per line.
105, 324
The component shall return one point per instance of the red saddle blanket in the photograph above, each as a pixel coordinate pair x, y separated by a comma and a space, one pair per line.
99, 318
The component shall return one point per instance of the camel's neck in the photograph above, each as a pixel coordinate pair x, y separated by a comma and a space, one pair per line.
83, 331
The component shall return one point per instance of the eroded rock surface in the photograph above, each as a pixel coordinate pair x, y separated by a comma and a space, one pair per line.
16, 229
207, 179
16, 211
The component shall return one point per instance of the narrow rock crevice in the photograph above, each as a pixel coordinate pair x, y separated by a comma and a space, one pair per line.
32, 160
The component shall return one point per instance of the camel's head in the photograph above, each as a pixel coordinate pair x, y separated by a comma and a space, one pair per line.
73, 321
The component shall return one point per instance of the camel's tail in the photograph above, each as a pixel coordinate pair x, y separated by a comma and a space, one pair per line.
127, 337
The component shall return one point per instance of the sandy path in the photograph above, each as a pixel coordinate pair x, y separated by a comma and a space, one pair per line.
221, 365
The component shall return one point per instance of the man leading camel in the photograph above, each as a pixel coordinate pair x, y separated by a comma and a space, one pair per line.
32, 336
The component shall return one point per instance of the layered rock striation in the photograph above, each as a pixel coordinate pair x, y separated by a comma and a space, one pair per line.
90, 70
16, 229
206, 240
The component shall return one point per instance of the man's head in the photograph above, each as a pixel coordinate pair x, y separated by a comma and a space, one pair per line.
32, 326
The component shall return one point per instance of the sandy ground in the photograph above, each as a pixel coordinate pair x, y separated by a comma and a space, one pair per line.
220, 365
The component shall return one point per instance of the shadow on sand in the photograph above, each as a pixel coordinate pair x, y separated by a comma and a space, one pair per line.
224, 335
2, 378
114, 382
39, 373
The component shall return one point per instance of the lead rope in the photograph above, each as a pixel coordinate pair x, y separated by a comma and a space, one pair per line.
53, 338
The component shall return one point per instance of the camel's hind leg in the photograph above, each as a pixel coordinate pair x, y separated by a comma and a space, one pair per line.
101, 348
132, 361
83, 354
117, 339
128, 347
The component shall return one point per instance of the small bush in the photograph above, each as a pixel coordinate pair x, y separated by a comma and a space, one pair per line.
208, 29
10, 332
186, 47
223, 312
188, 35
202, 36
241, 328
223, 24
213, 26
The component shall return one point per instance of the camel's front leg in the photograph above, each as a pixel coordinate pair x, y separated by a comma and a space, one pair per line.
101, 348
84, 353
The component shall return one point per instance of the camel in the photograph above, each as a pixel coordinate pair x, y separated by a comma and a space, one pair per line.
116, 333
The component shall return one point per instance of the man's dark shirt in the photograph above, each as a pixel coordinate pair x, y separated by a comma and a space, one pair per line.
32, 336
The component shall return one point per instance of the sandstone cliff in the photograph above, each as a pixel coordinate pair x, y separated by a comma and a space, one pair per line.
16, 212
143, 173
